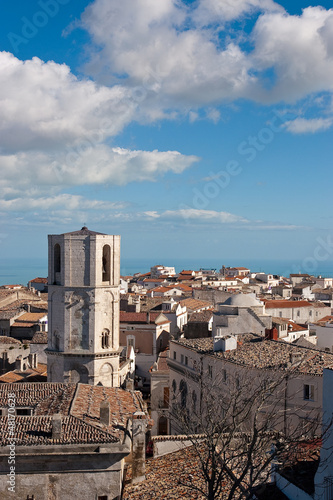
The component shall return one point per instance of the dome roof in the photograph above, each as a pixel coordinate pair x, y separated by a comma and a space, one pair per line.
242, 300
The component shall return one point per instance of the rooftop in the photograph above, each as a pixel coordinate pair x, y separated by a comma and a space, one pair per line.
84, 231
79, 406
195, 304
141, 317
256, 352
280, 304
166, 478
27, 320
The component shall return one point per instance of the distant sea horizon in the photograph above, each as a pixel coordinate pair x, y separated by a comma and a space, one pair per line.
14, 271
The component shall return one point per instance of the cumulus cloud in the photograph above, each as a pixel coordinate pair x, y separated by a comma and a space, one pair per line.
211, 11
92, 164
298, 49
55, 128
306, 126
162, 49
186, 57
43, 105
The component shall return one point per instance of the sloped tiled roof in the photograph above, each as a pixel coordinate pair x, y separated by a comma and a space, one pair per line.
140, 318
167, 477
38, 431
9, 340
84, 231
39, 280
255, 352
79, 406
194, 304
280, 304
27, 320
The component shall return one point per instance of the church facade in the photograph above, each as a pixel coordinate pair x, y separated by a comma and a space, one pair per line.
83, 336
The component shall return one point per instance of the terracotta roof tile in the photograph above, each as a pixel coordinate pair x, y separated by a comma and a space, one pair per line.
79, 406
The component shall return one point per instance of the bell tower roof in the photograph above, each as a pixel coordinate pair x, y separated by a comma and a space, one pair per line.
84, 231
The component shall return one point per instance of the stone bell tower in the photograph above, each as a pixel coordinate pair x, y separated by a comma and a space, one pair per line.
83, 336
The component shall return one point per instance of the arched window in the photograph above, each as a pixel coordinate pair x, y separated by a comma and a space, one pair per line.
106, 264
105, 338
57, 258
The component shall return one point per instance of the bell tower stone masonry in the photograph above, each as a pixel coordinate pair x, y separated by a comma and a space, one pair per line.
83, 336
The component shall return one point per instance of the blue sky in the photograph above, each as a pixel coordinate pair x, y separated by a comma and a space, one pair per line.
199, 129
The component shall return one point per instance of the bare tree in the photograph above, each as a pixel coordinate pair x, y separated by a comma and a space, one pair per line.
239, 427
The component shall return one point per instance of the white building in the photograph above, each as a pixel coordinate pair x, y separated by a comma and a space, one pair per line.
324, 332
223, 362
157, 271
300, 311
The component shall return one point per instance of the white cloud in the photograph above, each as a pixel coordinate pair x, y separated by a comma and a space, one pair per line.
174, 53
196, 216
211, 11
202, 216
54, 130
43, 105
59, 202
305, 126
171, 61
297, 48
97, 164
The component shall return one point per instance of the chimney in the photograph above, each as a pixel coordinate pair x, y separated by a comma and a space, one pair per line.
56, 426
19, 363
33, 360
225, 343
129, 384
104, 413
295, 357
137, 305
138, 447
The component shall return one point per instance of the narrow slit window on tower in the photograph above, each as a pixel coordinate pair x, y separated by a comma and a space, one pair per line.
106, 264
57, 258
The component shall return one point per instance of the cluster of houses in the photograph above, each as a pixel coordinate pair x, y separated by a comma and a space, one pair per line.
102, 358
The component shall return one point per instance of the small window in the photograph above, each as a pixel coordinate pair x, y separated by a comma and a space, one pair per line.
23, 411
103, 497
182, 359
310, 313
280, 314
186, 360
166, 396
174, 355
298, 313
105, 339
308, 392
106, 264
57, 258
